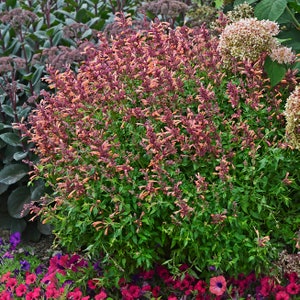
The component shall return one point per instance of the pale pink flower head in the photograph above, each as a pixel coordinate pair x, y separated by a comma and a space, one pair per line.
247, 39
292, 115
283, 55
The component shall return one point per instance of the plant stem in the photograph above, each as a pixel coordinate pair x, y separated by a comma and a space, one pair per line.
294, 19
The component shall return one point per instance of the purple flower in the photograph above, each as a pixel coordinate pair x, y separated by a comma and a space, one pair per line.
39, 269
97, 267
25, 265
212, 268
15, 239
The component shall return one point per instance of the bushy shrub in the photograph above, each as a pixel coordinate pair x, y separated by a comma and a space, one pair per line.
159, 154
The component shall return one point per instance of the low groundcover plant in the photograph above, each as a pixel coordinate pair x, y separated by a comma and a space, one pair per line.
158, 154
53, 282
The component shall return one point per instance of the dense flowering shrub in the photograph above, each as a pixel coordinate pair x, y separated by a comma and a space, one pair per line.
159, 154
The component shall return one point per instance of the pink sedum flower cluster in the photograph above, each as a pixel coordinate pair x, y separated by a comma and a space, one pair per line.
249, 38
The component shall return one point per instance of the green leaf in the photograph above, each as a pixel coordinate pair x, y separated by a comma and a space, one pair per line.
17, 200
291, 37
12, 224
238, 2
274, 70
270, 9
3, 188
218, 3
12, 173
11, 3
8, 110
11, 138
37, 75
19, 155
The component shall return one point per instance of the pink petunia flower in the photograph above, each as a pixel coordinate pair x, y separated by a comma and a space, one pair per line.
135, 291
52, 292
5, 296
101, 296
11, 283
293, 288
200, 286
217, 285
5, 277
156, 291
21, 290
75, 295
282, 295
30, 278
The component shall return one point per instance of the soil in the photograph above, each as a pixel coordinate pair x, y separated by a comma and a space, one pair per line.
43, 249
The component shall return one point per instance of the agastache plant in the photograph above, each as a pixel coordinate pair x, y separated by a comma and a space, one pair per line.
159, 153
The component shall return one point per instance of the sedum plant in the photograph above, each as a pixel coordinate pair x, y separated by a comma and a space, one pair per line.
159, 153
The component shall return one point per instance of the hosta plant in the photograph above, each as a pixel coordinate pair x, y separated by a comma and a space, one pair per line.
159, 153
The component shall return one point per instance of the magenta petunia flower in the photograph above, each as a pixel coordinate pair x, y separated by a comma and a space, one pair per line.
293, 288
21, 290
30, 278
11, 283
217, 285
282, 295
101, 296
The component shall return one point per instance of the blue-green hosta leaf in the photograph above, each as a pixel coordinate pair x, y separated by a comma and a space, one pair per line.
11, 138
270, 9
45, 229
12, 173
19, 155
12, 224
238, 2
38, 190
3, 188
18, 202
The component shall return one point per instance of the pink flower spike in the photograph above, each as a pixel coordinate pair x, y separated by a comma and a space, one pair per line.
217, 285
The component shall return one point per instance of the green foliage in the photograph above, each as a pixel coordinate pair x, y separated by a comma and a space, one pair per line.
275, 71
33, 34
159, 154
